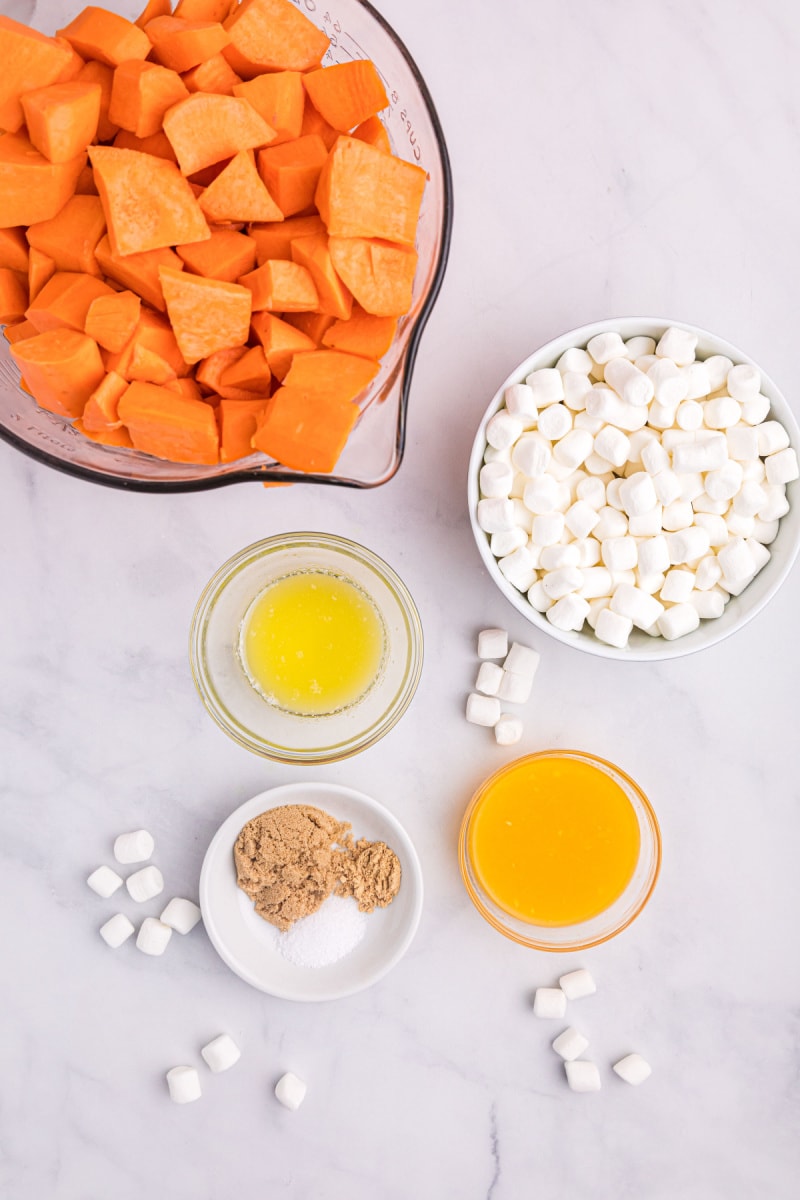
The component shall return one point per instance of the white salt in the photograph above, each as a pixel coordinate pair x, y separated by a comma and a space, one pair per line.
327, 935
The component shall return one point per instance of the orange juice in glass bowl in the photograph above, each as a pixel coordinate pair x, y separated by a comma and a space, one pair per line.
559, 850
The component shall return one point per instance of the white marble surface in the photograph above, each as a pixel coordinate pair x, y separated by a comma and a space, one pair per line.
608, 158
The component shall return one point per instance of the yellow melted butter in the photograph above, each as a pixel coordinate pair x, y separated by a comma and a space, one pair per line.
312, 643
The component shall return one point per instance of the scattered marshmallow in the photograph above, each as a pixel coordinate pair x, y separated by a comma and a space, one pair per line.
490, 676
104, 881
184, 1085
492, 643
633, 1069
582, 1075
221, 1053
134, 847
290, 1091
508, 730
577, 984
570, 1044
116, 930
145, 884
514, 689
153, 936
181, 915
549, 1003
483, 710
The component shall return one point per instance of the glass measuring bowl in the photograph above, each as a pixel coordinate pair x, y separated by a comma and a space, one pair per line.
375, 448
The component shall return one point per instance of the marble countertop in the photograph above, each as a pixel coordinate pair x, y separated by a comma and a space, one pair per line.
608, 159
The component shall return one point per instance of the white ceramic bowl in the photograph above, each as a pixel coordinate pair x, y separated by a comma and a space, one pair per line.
740, 609
247, 943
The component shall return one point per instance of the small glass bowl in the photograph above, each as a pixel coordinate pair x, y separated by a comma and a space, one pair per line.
608, 923
232, 700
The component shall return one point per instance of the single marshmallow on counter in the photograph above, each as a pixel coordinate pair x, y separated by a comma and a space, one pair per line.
550, 1003
290, 1091
605, 346
496, 479
492, 643
570, 1044
555, 421
483, 710
221, 1053
502, 430
134, 847
508, 730
582, 1076
145, 884
116, 930
496, 515
104, 881
782, 467
521, 403
629, 382
577, 984
522, 660
633, 1069
677, 621
743, 382
677, 344
183, 1084
569, 613
516, 689
153, 936
181, 915
490, 675
614, 630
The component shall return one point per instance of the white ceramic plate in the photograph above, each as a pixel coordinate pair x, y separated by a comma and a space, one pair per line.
246, 942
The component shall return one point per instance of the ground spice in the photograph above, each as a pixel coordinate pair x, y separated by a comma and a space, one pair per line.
290, 859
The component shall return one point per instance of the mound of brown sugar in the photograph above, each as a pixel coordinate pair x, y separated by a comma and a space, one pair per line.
290, 859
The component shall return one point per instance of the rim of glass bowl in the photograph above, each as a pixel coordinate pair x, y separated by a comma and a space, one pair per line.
540, 937
217, 709
648, 649
274, 473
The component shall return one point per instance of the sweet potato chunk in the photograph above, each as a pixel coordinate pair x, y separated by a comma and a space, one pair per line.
13, 295
313, 254
64, 301
274, 239
226, 255
281, 286
62, 119
112, 320
363, 334
239, 194
379, 274
168, 425
238, 420
347, 93
272, 35
292, 170
30, 60
139, 272
32, 188
14, 249
363, 192
70, 238
331, 373
205, 129
305, 431
206, 314
279, 98
98, 33
62, 368
141, 94
101, 411
280, 340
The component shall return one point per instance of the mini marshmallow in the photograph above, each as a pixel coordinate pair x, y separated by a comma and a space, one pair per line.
737, 562
670, 385
613, 445
637, 347
483, 710
116, 930
775, 505
521, 404
575, 359
570, 1044
654, 457
153, 936
547, 386
104, 881
581, 518
742, 442
181, 915
555, 421
677, 621
522, 660
184, 1085
708, 453
573, 448
145, 884
689, 415
560, 583
496, 479
619, 553
514, 689
678, 515
561, 472
717, 367
637, 494
667, 486
750, 500
633, 1069
708, 573
507, 542
649, 583
489, 677
611, 523
632, 602
492, 643
629, 382
645, 362
688, 544
765, 531
659, 416
538, 597
698, 380
597, 581
553, 558
549, 1003
726, 482
541, 494
753, 471
743, 382
756, 410
569, 613
605, 346
614, 630
691, 486
709, 604
593, 425
508, 730
134, 847
705, 504
519, 568
718, 532
595, 608
653, 554
582, 1075
640, 439
495, 515
604, 403
589, 551
739, 526
491, 454
782, 467
523, 517
502, 430
221, 1053
596, 465
677, 344
761, 554
531, 454
648, 524
577, 984
547, 528
290, 1091
576, 387
678, 586
722, 413
612, 493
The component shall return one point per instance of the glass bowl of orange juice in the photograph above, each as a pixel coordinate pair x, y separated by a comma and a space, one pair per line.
306, 648
559, 850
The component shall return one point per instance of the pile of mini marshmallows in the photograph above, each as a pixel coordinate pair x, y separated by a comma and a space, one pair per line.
496, 684
633, 485
219, 1054
582, 1074
154, 934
